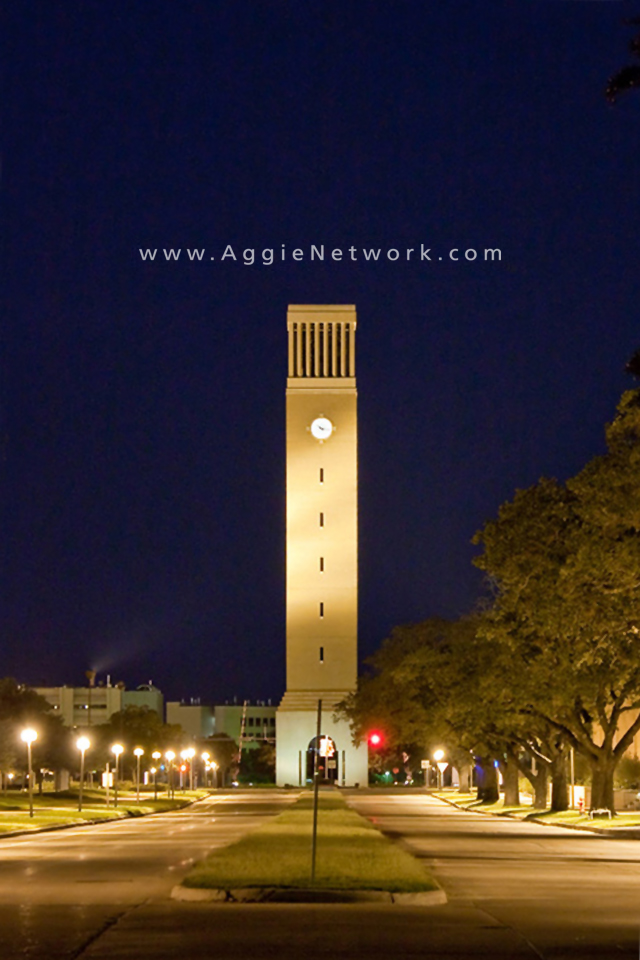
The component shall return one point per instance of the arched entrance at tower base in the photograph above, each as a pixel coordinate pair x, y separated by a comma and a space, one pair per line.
327, 759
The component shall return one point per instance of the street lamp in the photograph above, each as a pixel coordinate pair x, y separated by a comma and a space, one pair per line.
214, 766
157, 756
83, 744
138, 753
191, 754
206, 757
27, 736
116, 750
170, 755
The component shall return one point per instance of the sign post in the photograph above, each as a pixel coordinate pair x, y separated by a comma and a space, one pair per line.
316, 774
425, 766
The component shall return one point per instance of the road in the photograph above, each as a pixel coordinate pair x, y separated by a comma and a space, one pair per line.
60, 890
567, 893
516, 891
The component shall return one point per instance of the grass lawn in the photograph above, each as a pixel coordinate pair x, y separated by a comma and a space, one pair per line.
52, 809
526, 811
581, 819
351, 854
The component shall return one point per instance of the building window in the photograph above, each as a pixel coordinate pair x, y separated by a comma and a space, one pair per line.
322, 609
321, 564
321, 654
322, 519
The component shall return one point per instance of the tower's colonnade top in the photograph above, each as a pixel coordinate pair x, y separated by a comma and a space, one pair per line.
322, 341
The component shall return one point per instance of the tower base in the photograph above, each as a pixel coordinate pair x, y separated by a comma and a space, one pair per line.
295, 732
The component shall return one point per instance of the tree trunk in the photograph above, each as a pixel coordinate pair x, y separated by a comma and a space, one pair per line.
487, 781
510, 774
602, 771
538, 781
540, 787
464, 772
559, 783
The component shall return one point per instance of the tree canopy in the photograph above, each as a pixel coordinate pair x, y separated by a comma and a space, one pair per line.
551, 658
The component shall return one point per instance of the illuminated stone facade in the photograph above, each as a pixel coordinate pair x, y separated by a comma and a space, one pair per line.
322, 543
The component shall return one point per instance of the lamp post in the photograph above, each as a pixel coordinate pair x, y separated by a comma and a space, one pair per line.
191, 754
83, 744
157, 756
214, 767
138, 753
28, 736
170, 755
116, 750
206, 757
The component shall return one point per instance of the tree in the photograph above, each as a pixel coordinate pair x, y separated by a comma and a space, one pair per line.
224, 751
628, 78
565, 565
424, 692
22, 707
258, 764
134, 727
633, 365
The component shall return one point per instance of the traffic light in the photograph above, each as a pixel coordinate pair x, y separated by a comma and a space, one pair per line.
375, 739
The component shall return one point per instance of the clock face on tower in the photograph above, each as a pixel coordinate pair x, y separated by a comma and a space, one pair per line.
321, 428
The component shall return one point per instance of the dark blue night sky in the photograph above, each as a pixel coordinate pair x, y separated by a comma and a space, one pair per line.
142, 498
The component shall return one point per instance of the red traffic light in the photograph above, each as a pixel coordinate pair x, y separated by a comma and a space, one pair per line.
375, 739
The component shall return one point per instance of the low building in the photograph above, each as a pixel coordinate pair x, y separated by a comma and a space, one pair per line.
197, 720
83, 706
259, 721
225, 719
146, 695
93, 705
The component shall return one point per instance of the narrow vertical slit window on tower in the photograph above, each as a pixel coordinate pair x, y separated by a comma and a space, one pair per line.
321, 610
322, 519
321, 654
321, 474
321, 564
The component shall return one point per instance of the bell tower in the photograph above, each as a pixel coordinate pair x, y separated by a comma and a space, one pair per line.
321, 544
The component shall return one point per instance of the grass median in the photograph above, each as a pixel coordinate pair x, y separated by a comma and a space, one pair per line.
57, 810
351, 855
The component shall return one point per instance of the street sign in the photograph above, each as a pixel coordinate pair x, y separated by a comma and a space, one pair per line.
424, 764
331, 764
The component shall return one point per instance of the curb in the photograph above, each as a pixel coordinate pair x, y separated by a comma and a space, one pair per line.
612, 833
425, 898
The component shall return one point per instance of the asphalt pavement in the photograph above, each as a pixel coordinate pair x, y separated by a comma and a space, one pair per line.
515, 891
567, 893
60, 890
